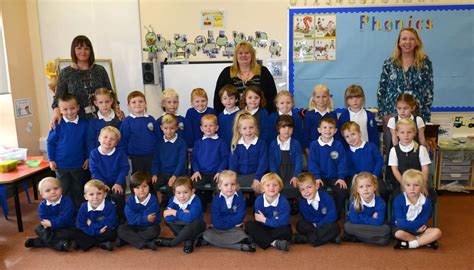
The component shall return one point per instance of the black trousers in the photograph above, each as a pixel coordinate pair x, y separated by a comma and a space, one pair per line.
141, 163
72, 183
163, 182
340, 195
137, 236
48, 238
320, 235
186, 231
264, 235
85, 241
119, 201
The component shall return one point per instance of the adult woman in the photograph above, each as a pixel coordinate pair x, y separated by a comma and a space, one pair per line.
408, 70
245, 71
81, 79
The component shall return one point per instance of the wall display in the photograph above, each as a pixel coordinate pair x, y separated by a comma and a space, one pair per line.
314, 38
23, 108
212, 19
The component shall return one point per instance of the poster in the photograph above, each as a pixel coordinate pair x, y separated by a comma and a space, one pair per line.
212, 19
23, 108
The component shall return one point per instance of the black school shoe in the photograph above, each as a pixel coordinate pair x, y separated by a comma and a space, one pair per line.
248, 247
106, 246
163, 242
401, 245
433, 245
150, 245
63, 246
281, 245
201, 242
188, 246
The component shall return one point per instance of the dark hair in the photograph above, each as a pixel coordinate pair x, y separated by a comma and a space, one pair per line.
327, 119
230, 90
67, 97
256, 90
138, 178
284, 121
183, 181
82, 41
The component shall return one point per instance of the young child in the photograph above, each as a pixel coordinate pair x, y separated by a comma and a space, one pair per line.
139, 133
67, 149
192, 120
109, 164
285, 158
366, 219
355, 99
272, 216
229, 96
170, 104
248, 157
327, 162
227, 217
320, 105
411, 212
96, 219
143, 214
183, 216
284, 102
104, 101
319, 223
56, 213
210, 156
169, 160
407, 154
253, 101
406, 108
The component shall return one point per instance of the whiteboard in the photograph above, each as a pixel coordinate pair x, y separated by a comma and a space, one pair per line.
184, 77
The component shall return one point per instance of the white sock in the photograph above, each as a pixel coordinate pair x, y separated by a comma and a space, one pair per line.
413, 244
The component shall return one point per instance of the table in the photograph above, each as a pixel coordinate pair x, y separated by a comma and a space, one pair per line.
23, 172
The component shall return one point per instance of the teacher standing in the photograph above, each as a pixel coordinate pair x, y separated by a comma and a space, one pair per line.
408, 70
244, 72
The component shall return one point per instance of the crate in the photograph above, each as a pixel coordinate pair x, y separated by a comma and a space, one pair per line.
18, 154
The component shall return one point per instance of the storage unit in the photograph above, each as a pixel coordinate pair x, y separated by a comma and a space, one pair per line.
456, 166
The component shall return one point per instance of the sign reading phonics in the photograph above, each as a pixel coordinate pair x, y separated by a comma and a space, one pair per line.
374, 23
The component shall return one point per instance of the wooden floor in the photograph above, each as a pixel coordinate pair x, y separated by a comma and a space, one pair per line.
456, 220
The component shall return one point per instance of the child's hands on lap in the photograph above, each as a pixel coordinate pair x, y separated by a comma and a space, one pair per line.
154, 178
260, 217
171, 180
53, 166
85, 166
375, 215
319, 182
46, 223
256, 186
103, 229
88, 222
169, 212
117, 189
196, 177
342, 184
151, 218
294, 181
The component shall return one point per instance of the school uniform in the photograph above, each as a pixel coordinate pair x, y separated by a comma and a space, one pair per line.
286, 159
226, 121
368, 126
210, 156
264, 125
192, 122
97, 124
67, 146
139, 137
311, 124
319, 221
276, 227
249, 161
328, 162
138, 230
364, 227
409, 217
297, 129
180, 130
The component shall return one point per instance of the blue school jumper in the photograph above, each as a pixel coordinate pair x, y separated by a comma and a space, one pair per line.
249, 161
366, 215
99, 219
263, 120
210, 155
170, 157
400, 208
61, 215
327, 162
372, 129
326, 212
223, 218
278, 216
225, 126
192, 122
139, 135
180, 130
137, 213
365, 159
297, 130
95, 125
67, 144
296, 157
110, 169
311, 124
194, 208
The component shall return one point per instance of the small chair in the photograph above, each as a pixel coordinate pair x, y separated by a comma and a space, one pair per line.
3, 197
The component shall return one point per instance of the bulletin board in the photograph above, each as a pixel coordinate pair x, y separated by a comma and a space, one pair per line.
343, 46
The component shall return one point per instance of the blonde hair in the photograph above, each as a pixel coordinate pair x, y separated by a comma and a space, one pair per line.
169, 119
46, 180
410, 123
228, 174
284, 93
209, 117
256, 90
242, 115
349, 125
355, 195
306, 177
354, 91
255, 68
95, 183
271, 177
411, 176
198, 92
322, 87
420, 54
111, 129
169, 93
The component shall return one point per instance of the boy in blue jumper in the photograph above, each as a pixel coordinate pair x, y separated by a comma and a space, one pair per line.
109, 164
229, 96
97, 219
143, 214
56, 213
327, 162
67, 149
319, 223
192, 120
139, 133
170, 105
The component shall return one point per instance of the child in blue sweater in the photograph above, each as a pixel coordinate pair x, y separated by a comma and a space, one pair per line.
192, 120
183, 216
227, 217
327, 162
139, 133
109, 164
284, 102
366, 219
143, 215
253, 101
67, 149
411, 212
97, 219
170, 104
229, 96
56, 213
272, 216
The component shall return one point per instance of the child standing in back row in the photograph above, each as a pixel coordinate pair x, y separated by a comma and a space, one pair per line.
284, 102
229, 98
192, 121
170, 104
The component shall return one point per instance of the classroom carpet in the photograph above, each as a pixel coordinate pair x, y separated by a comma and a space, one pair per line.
456, 249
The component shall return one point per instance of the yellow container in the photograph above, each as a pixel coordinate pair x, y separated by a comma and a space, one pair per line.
8, 165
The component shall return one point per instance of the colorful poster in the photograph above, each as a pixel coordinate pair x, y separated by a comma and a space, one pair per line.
212, 19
